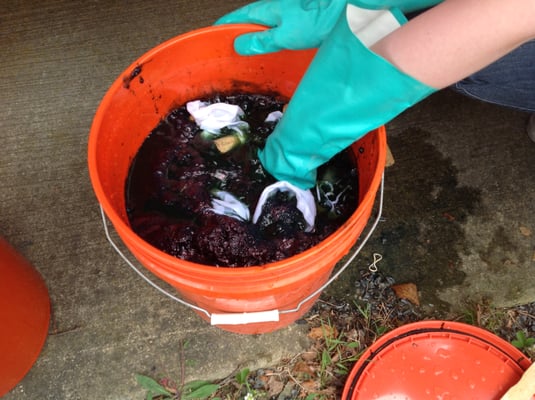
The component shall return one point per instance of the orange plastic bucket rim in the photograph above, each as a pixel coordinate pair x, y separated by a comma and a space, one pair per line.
24, 316
182, 69
436, 360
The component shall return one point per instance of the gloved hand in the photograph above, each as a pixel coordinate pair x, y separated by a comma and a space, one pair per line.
299, 24
346, 92
296, 24
405, 6
523, 389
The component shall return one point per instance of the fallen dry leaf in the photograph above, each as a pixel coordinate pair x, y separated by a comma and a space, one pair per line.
310, 386
321, 332
275, 386
407, 291
448, 216
302, 369
310, 355
525, 231
389, 157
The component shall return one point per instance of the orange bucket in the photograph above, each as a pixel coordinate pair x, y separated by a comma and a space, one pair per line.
190, 67
24, 316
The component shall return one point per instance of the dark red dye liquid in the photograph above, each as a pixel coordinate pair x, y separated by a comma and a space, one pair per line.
170, 184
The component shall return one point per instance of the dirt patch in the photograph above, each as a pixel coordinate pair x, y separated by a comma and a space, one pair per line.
340, 331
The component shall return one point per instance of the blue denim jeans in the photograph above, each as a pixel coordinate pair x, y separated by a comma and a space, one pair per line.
509, 82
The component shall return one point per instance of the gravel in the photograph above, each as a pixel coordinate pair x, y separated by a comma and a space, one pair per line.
347, 328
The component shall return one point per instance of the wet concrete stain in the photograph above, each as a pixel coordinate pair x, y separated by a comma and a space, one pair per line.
421, 234
501, 251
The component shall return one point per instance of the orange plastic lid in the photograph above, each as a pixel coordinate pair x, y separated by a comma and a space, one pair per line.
436, 360
24, 316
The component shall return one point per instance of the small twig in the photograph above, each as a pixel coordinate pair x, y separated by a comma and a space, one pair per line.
57, 332
526, 314
294, 380
313, 317
182, 382
326, 302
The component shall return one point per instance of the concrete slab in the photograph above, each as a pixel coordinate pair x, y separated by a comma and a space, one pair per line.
107, 325
456, 199
466, 170
458, 218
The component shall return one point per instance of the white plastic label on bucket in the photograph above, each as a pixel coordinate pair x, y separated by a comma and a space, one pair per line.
244, 318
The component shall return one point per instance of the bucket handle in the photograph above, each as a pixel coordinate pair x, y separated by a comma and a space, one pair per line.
258, 316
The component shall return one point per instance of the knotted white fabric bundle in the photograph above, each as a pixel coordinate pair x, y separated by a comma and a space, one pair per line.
305, 201
214, 117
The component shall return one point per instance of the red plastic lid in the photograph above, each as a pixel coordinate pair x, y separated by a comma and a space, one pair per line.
436, 360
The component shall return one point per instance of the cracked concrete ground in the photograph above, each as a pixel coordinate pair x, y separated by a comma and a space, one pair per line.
459, 213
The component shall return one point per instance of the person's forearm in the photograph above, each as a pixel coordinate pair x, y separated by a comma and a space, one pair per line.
458, 38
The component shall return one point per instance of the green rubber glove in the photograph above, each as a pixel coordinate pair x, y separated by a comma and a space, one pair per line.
346, 92
405, 6
295, 24
300, 24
